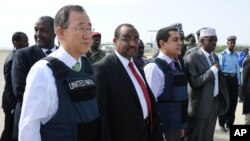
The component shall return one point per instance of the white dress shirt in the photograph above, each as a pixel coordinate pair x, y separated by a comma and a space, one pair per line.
45, 49
155, 77
215, 71
40, 100
138, 88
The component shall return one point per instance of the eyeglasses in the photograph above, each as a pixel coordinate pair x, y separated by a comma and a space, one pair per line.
82, 30
128, 39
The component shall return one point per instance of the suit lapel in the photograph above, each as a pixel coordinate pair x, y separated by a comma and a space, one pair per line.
121, 71
151, 95
39, 52
215, 57
203, 59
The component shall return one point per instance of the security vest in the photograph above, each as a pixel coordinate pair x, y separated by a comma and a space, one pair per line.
77, 117
172, 103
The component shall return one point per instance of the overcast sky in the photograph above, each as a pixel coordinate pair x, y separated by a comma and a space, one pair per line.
228, 17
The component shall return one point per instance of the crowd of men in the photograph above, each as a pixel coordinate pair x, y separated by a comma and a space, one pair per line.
75, 92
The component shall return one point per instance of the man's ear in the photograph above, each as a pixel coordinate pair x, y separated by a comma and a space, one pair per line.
15, 43
115, 40
59, 32
162, 43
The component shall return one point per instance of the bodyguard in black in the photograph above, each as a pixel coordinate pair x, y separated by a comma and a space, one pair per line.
246, 89
19, 40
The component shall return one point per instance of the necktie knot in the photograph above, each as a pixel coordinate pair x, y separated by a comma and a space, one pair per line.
211, 59
48, 51
130, 64
172, 65
76, 67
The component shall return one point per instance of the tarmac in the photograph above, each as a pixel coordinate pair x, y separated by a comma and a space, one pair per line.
218, 136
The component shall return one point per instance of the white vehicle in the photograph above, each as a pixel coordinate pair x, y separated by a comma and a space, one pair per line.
107, 48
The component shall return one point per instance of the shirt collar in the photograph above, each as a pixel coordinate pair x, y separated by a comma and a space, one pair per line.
45, 49
65, 57
164, 57
229, 52
124, 60
205, 52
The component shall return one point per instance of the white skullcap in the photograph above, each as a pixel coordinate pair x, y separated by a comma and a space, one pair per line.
207, 32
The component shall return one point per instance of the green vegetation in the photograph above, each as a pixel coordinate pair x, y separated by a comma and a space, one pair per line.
238, 48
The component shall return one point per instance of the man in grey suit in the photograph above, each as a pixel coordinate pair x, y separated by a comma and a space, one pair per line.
208, 95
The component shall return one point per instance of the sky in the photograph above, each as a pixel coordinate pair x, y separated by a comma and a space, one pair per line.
228, 17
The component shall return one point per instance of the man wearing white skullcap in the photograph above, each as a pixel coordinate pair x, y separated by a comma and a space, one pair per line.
208, 95
198, 45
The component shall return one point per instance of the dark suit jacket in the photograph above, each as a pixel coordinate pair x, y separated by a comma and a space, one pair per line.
122, 116
8, 99
23, 60
201, 86
246, 85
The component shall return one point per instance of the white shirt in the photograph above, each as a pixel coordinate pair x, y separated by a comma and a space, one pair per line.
40, 100
155, 77
45, 49
138, 88
215, 71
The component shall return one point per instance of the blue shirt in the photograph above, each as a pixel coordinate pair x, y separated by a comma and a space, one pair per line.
229, 62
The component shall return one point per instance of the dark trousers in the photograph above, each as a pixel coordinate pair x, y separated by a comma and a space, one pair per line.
7, 134
232, 86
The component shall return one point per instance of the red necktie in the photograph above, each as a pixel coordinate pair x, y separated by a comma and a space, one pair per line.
145, 92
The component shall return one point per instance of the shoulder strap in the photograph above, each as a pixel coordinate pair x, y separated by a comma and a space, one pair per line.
57, 67
163, 66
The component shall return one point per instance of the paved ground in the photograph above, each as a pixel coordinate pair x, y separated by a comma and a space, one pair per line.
219, 136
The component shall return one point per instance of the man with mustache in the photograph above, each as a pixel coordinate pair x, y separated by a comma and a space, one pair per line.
24, 59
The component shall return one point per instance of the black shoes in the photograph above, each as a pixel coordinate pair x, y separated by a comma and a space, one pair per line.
223, 129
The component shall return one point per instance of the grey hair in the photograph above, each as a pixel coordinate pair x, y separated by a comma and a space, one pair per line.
62, 16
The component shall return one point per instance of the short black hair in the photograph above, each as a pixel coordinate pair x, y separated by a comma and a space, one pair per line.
191, 35
48, 19
17, 36
163, 34
118, 29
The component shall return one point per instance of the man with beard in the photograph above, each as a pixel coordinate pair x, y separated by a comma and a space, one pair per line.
208, 95
127, 105
24, 59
